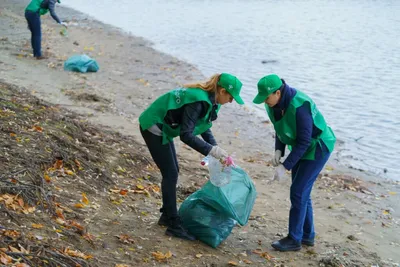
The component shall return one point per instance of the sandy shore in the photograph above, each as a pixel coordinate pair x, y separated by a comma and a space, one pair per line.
356, 214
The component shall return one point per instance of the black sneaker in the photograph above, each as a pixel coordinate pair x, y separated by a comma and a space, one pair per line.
307, 242
163, 221
286, 244
176, 229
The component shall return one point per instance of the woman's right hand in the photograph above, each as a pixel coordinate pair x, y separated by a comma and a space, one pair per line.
277, 157
218, 152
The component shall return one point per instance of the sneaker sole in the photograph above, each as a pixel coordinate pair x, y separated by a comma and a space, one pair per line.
285, 250
171, 234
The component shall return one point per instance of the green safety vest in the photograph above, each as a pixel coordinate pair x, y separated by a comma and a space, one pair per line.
175, 99
34, 6
285, 128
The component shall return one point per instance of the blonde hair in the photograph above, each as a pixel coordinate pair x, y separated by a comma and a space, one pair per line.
209, 86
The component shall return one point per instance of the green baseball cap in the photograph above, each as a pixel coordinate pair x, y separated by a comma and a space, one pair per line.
231, 84
266, 86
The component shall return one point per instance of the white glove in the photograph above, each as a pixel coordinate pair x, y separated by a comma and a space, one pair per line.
276, 158
64, 24
218, 152
279, 172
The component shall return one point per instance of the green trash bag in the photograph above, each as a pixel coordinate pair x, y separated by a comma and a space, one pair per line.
204, 222
81, 63
210, 213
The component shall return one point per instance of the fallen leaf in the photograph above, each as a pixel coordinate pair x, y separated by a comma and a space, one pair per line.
20, 202
76, 225
120, 169
159, 256
386, 212
60, 214
115, 191
77, 254
78, 164
5, 259
126, 239
89, 237
12, 249
311, 252
155, 188
232, 263
199, 256
38, 128
37, 225
140, 187
11, 233
60, 221
13, 135
28, 210
47, 178
263, 254
392, 193
58, 164
79, 205
247, 261
69, 172
123, 192
85, 200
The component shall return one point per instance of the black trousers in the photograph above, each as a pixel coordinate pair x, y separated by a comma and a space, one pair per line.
165, 158
33, 19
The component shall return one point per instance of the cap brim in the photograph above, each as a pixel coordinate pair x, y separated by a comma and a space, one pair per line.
238, 100
259, 99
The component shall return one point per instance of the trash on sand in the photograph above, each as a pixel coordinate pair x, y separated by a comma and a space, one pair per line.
81, 63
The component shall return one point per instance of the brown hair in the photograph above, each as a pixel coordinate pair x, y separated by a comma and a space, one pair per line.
209, 86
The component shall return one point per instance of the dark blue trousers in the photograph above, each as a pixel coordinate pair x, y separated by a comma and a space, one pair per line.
33, 19
165, 158
304, 174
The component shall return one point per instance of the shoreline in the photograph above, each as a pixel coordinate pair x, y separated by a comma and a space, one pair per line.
131, 75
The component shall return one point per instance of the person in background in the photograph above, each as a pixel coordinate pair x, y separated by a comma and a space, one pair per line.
185, 112
33, 11
300, 125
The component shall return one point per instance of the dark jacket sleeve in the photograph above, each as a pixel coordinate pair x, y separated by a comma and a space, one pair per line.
191, 114
279, 145
52, 4
209, 137
304, 127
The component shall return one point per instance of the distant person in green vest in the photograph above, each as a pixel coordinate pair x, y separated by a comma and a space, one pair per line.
33, 11
185, 112
300, 125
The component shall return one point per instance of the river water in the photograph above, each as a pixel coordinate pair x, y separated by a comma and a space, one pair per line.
344, 54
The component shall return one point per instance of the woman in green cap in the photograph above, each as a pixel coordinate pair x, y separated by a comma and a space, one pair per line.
33, 11
185, 112
298, 124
